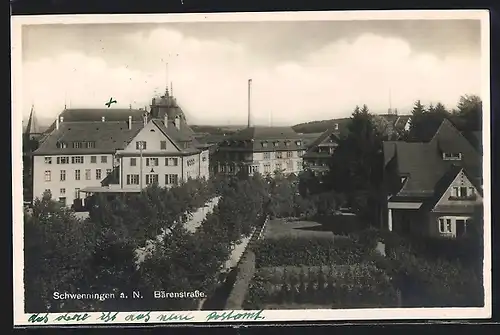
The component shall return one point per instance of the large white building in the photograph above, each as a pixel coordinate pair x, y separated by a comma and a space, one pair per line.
82, 157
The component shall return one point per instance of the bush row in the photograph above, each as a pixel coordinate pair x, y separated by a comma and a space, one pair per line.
311, 252
351, 286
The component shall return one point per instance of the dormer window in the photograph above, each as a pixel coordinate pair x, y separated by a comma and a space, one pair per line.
61, 145
452, 156
298, 143
287, 143
264, 144
276, 143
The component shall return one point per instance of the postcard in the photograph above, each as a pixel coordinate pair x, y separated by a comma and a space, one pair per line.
251, 167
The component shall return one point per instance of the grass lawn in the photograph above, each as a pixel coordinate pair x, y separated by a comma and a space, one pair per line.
279, 228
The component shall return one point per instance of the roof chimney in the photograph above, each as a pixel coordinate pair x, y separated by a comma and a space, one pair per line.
165, 120
103, 118
61, 119
249, 101
57, 122
130, 122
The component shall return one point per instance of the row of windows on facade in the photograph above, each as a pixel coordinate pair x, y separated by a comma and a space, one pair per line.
266, 155
267, 167
143, 145
170, 179
88, 174
169, 161
76, 145
75, 159
62, 192
264, 144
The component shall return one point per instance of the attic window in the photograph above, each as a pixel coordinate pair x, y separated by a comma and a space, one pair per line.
61, 145
287, 143
264, 144
298, 143
276, 143
449, 156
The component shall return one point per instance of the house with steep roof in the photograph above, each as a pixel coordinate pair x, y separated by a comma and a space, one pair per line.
260, 149
435, 187
87, 156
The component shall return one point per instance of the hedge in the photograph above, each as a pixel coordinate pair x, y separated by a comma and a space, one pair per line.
347, 286
246, 270
312, 252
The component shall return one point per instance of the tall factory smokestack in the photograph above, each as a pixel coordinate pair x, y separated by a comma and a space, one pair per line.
249, 101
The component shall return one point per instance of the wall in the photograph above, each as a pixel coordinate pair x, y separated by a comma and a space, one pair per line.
70, 184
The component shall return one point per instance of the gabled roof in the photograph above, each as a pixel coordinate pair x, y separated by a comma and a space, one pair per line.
95, 114
253, 138
401, 122
311, 150
444, 183
107, 137
178, 135
423, 165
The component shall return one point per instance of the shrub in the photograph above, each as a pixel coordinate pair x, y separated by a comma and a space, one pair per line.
360, 285
313, 251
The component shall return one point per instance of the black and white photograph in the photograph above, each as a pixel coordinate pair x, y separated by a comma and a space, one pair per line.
251, 167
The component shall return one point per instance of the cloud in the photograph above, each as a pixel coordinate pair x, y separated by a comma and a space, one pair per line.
210, 78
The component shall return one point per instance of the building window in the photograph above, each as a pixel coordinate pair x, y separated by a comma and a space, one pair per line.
151, 179
62, 191
88, 174
190, 162
133, 161
445, 225
48, 176
104, 159
267, 155
299, 166
163, 145
463, 192
289, 154
255, 169
77, 193
93, 159
336, 126
278, 166
108, 172
300, 153
61, 145
140, 145
77, 160
63, 160
299, 143
63, 175
171, 161
151, 161
450, 156
289, 165
279, 154
267, 168
90, 145
264, 144
77, 174
204, 159
77, 145
48, 160
132, 179
98, 174
171, 179
62, 201
276, 143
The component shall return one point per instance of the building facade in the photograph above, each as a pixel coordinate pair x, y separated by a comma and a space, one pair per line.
82, 157
265, 150
435, 187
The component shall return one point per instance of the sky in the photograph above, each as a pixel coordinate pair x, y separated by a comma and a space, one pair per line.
300, 71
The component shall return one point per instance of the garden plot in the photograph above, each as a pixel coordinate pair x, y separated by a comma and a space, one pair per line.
306, 229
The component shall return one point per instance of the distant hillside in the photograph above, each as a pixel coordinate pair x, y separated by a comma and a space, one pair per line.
318, 126
215, 130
